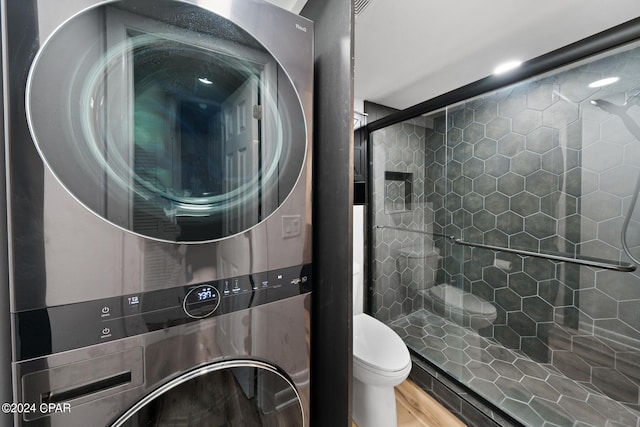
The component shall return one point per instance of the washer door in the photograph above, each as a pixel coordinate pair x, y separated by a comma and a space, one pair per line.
233, 394
166, 119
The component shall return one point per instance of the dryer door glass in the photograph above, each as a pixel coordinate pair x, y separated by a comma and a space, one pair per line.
166, 119
235, 396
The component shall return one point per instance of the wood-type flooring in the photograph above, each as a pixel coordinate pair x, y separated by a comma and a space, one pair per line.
416, 408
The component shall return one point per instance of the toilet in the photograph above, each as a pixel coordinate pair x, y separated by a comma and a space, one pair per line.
462, 307
446, 300
381, 361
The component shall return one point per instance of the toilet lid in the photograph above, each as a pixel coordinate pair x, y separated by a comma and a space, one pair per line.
376, 346
458, 300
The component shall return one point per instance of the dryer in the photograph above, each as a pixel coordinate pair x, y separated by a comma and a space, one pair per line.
159, 189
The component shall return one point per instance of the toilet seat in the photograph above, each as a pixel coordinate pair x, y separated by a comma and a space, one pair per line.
462, 302
377, 349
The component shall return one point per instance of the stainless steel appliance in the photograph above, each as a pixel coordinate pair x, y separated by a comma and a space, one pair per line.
159, 193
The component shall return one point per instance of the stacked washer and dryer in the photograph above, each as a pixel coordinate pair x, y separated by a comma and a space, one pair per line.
159, 201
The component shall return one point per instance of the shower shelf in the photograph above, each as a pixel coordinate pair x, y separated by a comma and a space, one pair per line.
586, 261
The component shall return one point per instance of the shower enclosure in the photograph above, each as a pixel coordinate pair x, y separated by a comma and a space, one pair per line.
524, 199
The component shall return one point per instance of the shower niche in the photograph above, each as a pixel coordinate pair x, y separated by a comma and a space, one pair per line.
397, 191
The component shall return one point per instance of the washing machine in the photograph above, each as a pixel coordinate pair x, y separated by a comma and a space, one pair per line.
158, 164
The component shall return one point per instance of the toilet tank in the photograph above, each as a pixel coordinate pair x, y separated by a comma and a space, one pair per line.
358, 259
357, 290
418, 266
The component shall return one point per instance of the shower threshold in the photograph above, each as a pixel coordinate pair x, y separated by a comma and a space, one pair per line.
536, 394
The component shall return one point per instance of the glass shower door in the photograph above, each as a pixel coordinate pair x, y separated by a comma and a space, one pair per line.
522, 287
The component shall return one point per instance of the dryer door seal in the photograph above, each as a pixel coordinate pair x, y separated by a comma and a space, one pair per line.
236, 393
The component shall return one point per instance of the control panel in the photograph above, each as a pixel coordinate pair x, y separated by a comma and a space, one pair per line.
54, 329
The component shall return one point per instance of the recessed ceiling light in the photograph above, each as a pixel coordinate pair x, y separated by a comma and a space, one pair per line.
507, 66
604, 82
205, 81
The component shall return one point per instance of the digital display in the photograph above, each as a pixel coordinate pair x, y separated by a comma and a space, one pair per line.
205, 294
201, 301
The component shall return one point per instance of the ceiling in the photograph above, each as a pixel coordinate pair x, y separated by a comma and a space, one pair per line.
409, 51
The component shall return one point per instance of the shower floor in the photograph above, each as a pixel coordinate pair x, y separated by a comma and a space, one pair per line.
534, 393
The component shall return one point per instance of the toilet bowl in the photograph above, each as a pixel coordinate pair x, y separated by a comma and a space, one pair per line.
462, 307
381, 361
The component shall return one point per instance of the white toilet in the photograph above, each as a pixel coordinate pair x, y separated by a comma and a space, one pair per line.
462, 307
381, 361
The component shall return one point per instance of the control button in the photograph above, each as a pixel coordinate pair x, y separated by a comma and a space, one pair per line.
201, 301
265, 283
304, 279
226, 287
106, 333
296, 281
236, 286
275, 279
106, 311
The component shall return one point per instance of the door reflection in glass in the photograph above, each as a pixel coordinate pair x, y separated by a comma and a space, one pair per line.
197, 141
197, 128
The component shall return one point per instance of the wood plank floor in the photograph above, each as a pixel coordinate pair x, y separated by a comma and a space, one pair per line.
416, 408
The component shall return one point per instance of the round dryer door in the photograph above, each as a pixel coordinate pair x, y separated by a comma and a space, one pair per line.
232, 394
167, 119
